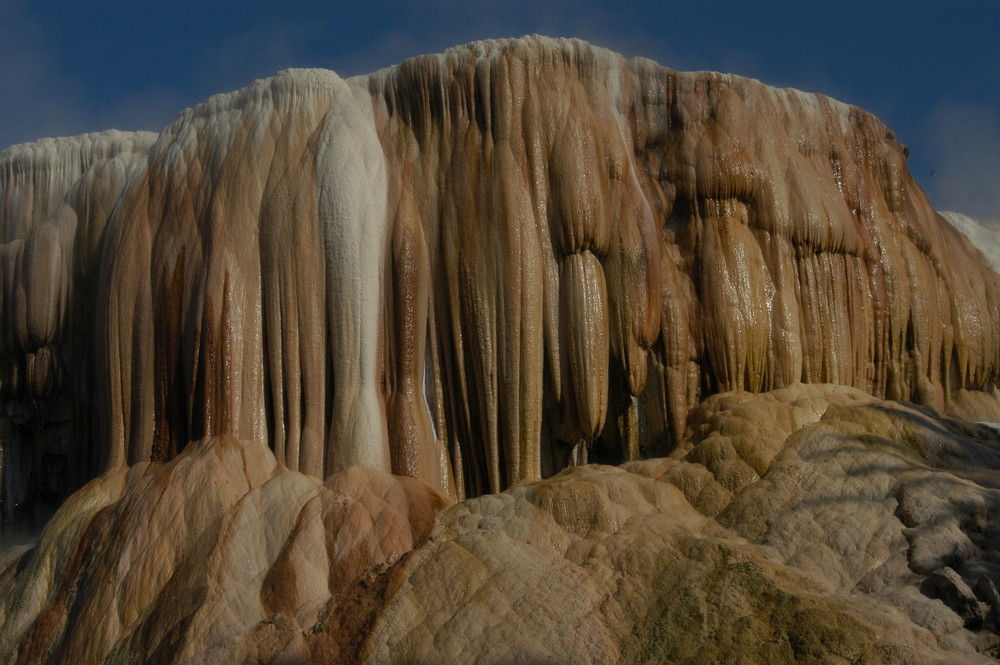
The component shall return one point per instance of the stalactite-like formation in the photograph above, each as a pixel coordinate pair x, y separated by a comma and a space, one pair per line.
476, 267
56, 197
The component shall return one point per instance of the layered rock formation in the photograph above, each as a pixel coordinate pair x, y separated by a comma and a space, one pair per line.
472, 270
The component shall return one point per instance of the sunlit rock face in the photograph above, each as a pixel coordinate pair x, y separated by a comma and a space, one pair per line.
179, 562
465, 266
475, 266
796, 526
819, 559
280, 336
609, 241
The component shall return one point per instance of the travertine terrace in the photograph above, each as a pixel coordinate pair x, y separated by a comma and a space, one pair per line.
473, 269
461, 267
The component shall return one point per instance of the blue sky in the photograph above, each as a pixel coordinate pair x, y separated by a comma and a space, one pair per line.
930, 70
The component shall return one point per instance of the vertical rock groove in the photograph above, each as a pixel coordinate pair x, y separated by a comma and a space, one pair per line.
466, 267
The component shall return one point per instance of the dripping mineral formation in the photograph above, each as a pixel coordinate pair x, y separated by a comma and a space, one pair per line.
320, 351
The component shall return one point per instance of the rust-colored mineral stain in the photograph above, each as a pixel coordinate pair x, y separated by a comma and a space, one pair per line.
464, 266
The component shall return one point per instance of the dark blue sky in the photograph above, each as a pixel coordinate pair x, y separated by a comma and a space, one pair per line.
930, 70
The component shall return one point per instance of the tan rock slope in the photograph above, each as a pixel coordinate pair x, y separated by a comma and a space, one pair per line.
473, 270
600, 565
829, 551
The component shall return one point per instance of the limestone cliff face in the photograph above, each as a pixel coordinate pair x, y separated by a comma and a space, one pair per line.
477, 267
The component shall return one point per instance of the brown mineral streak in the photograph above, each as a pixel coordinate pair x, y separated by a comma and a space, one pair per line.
575, 250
